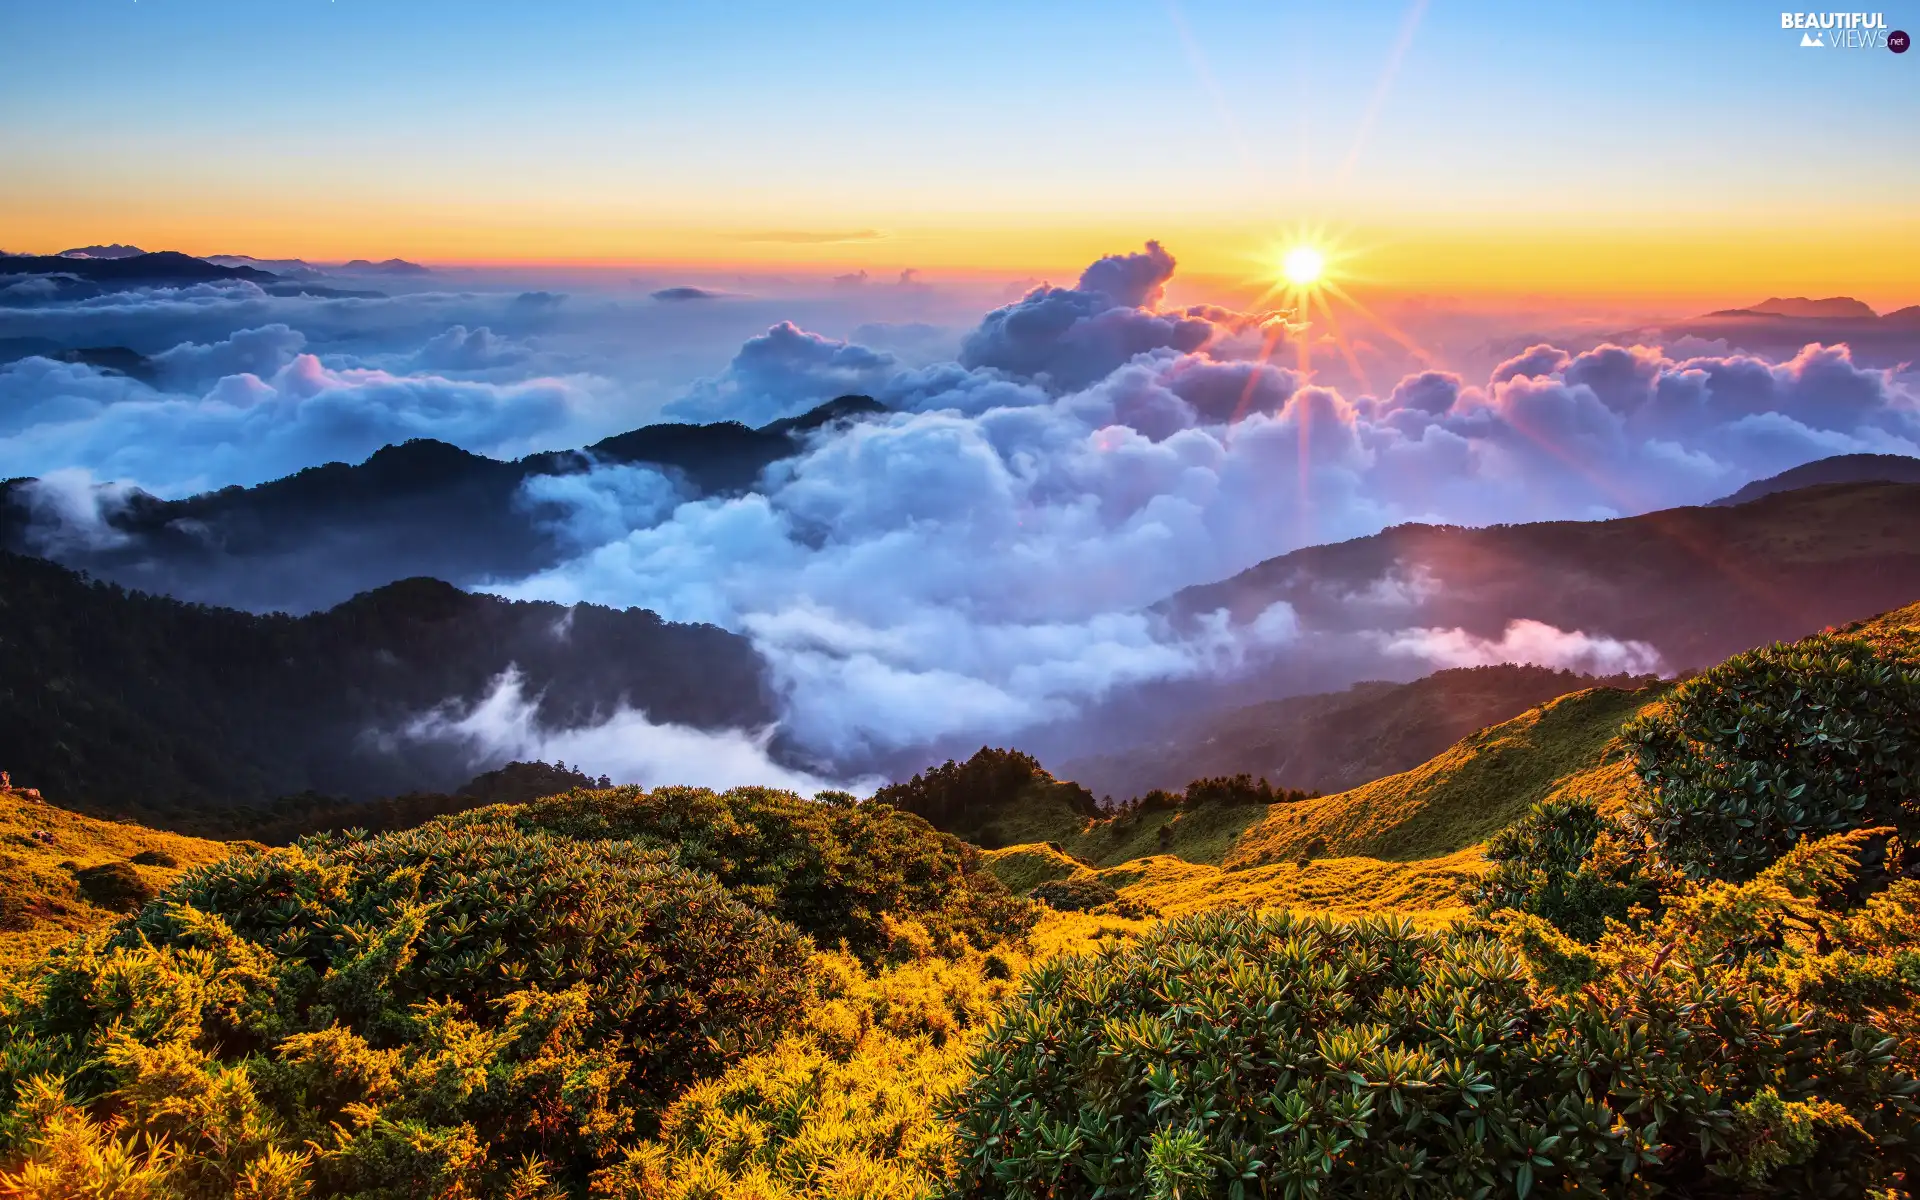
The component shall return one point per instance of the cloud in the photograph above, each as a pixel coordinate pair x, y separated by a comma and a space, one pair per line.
68, 512
262, 351
784, 371
463, 349
247, 428
983, 562
674, 294
504, 726
1526, 641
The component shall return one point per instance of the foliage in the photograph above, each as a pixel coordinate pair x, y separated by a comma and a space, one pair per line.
1235, 1054
43, 848
1806, 739
440, 1010
1570, 865
989, 798
836, 872
847, 1104
1021, 868
114, 886
1076, 893
1464, 796
289, 818
1426, 892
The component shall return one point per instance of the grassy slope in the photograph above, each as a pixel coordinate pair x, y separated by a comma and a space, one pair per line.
1332, 741
1462, 797
1427, 891
42, 904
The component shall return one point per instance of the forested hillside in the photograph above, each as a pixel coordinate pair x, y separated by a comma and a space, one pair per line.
123, 702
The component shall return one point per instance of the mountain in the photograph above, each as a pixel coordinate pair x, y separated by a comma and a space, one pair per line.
114, 251
1841, 468
1779, 328
131, 703
1833, 308
285, 268
419, 508
116, 360
391, 266
163, 266
1330, 742
1696, 584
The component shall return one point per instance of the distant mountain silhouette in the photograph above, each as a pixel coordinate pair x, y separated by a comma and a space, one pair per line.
1841, 468
423, 507
163, 266
114, 251
1780, 327
119, 360
1843, 308
391, 266
286, 268
139, 704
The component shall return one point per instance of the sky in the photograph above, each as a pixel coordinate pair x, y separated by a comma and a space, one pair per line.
1626, 149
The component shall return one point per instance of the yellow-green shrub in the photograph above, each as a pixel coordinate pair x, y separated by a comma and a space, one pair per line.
439, 1011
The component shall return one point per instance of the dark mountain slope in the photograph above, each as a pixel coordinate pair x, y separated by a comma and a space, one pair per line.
1698, 584
420, 508
162, 266
1841, 468
125, 702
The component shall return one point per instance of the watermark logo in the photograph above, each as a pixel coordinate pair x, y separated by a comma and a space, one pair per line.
1845, 31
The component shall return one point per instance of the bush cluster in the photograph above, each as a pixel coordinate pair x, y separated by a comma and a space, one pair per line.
1570, 865
837, 872
442, 1011
1236, 1055
1076, 893
1781, 743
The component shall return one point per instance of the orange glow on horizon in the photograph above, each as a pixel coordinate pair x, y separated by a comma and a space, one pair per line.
1714, 262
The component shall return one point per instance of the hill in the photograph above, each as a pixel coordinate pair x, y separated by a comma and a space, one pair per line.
62, 873
1466, 794
124, 702
421, 508
1331, 741
1841, 468
1697, 584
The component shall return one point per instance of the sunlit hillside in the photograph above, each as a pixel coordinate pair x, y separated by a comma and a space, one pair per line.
622, 993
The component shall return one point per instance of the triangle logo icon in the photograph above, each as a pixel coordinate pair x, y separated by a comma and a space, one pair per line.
1811, 39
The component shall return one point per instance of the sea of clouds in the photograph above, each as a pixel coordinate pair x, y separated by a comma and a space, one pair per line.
984, 560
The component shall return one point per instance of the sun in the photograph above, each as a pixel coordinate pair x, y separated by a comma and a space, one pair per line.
1303, 265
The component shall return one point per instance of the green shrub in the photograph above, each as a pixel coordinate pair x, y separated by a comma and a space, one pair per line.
155, 858
834, 871
420, 1013
1565, 862
971, 799
114, 886
1076, 893
1812, 738
1238, 1055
